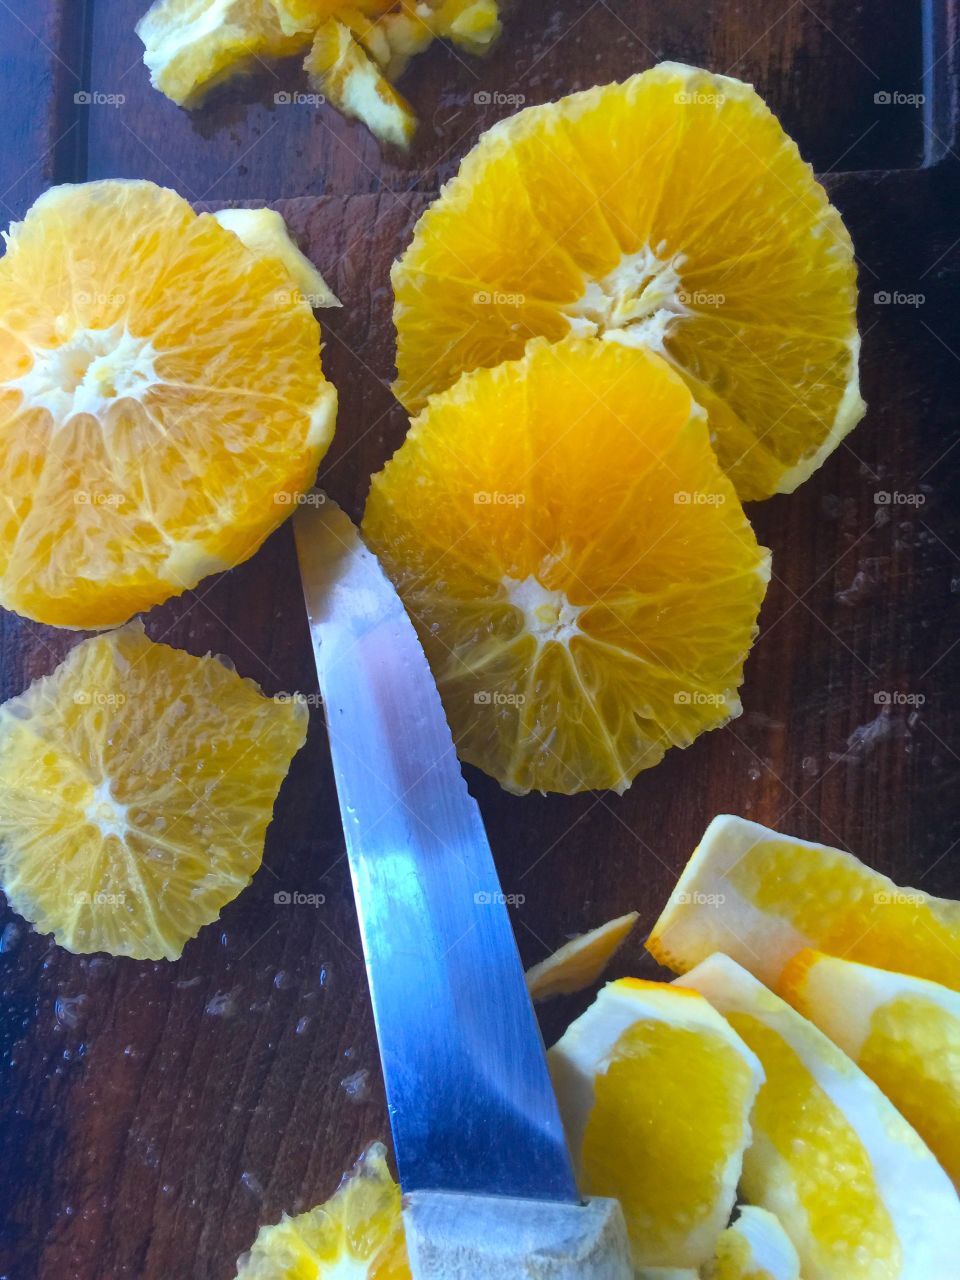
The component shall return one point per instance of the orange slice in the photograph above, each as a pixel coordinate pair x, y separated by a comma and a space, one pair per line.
670, 211
161, 401
655, 1091
581, 961
136, 786
903, 1032
761, 897
355, 1235
853, 1185
581, 574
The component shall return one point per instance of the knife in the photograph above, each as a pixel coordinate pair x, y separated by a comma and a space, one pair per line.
488, 1184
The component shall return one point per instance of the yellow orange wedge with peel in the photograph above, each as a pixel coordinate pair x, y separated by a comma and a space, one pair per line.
761, 897
754, 1247
162, 402
655, 1090
855, 1188
670, 211
581, 961
903, 1032
136, 786
580, 571
355, 1235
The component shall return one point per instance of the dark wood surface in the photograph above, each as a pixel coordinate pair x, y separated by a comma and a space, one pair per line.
145, 1134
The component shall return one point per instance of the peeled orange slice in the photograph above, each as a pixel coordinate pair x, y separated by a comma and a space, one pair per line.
655, 1091
355, 1235
136, 785
903, 1032
855, 1188
192, 45
265, 234
580, 572
754, 1247
579, 962
672, 212
161, 402
761, 897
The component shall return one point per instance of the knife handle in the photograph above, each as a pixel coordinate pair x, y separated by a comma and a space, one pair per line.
464, 1237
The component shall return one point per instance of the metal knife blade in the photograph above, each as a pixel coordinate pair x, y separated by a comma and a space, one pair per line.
470, 1100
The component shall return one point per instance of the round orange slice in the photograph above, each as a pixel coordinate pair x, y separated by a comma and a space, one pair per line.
579, 569
670, 211
161, 402
136, 786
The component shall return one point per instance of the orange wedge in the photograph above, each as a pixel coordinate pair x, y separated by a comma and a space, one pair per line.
655, 1090
858, 1193
903, 1032
581, 961
761, 897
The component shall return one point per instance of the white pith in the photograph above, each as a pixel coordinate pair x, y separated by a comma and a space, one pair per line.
88, 373
548, 616
106, 813
636, 303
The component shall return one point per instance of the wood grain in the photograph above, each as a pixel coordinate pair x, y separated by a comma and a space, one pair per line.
155, 1115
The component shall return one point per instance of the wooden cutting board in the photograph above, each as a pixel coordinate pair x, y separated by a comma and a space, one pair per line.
156, 1114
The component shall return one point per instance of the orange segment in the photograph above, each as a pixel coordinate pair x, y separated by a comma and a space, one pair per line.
581, 574
136, 786
161, 396
338, 67
854, 1187
669, 211
655, 1091
903, 1032
761, 897
581, 961
355, 1235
